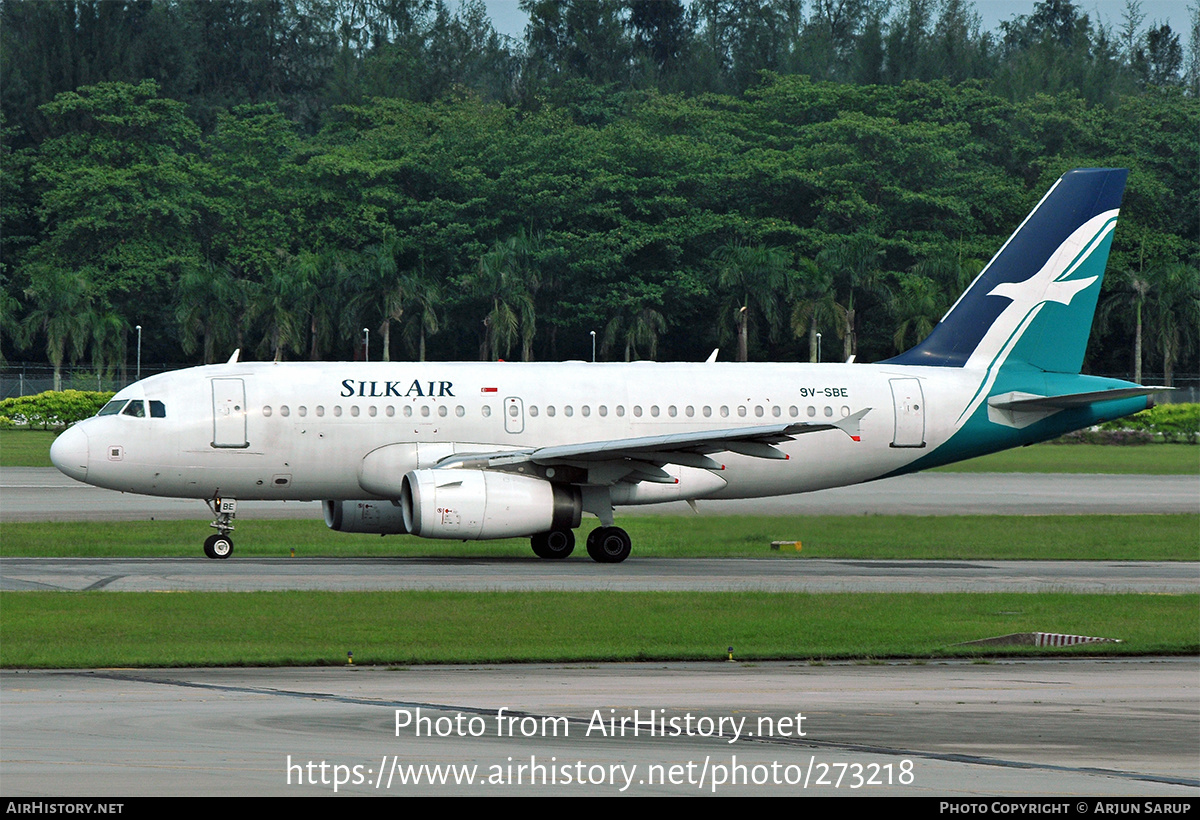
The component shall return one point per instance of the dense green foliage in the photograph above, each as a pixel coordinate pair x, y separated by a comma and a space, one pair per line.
276, 176
54, 408
1179, 423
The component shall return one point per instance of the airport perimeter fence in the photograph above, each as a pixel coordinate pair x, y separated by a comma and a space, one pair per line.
28, 379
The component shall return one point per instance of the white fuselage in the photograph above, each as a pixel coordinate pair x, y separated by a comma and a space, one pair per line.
306, 430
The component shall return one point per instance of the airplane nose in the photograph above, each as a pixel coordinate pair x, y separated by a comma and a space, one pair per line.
69, 453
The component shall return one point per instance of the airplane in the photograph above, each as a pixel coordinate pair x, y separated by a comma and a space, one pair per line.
491, 450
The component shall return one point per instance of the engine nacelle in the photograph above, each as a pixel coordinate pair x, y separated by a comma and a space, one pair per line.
481, 504
375, 517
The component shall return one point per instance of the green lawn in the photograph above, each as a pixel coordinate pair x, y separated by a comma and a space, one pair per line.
974, 537
101, 629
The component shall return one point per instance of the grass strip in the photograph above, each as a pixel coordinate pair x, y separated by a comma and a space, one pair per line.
1147, 459
978, 537
94, 629
31, 448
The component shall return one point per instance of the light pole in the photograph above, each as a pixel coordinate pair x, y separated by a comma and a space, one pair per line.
593, 345
367, 348
139, 356
818, 346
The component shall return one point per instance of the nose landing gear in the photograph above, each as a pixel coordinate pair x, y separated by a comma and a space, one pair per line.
221, 545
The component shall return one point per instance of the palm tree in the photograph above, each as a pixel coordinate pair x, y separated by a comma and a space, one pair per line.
815, 305
854, 263
755, 277
636, 325
1129, 291
1174, 313
209, 304
61, 310
507, 279
424, 297
918, 306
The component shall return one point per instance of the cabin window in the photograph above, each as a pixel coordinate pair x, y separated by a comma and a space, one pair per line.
568, 411
758, 410
794, 411
284, 411
724, 411
672, 412
845, 411
637, 410
603, 409
408, 411
302, 411
621, 411
459, 411
112, 407
337, 411
742, 410
425, 411
372, 410
828, 411
354, 410
812, 411
654, 410
487, 410
690, 411
586, 410
390, 411
320, 410
267, 410
776, 411
707, 411
443, 410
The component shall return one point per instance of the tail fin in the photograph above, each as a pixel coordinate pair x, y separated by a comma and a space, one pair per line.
1035, 300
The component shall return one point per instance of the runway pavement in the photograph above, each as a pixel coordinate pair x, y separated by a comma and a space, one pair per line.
582, 574
1066, 729
40, 494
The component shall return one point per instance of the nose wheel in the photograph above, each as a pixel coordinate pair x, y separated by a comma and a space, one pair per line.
221, 545
218, 546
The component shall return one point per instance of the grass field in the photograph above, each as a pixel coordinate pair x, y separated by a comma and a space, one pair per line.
100, 629
998, 537
31, 448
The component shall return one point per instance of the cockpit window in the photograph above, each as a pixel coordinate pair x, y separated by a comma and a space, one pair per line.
136, 408
112, 407
158, 410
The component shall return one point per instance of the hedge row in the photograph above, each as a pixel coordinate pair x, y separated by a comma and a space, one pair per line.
54, 408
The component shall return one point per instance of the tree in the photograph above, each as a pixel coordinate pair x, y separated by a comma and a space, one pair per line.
755, 278
815, 306
506, 279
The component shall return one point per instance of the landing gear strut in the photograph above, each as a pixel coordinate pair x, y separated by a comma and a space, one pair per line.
221, 545
553, 544
609, 545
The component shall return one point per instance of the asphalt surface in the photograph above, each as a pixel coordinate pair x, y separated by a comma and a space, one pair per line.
1064, 729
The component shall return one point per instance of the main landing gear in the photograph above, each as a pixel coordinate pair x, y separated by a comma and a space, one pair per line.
221, 545
606, 545
553, 544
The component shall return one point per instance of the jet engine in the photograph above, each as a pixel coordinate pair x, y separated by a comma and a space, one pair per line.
480, 504
375, 517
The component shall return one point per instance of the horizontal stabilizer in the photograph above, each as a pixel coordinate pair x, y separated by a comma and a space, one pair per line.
1023, 409
1029, 401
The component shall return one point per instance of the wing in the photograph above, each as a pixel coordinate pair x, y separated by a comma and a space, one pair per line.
642, 458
